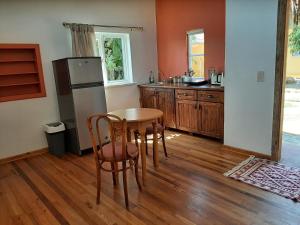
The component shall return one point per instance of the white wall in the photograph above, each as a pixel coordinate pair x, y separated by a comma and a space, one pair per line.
250, 47
40, 22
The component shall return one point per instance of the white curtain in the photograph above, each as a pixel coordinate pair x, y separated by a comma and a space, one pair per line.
83, 40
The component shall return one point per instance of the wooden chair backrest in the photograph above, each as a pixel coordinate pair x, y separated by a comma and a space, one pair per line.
117, 133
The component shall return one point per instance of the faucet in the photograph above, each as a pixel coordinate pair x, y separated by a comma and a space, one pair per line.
191, 73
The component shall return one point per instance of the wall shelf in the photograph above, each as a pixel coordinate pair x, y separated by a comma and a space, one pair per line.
21, 74
16, 60
18, 84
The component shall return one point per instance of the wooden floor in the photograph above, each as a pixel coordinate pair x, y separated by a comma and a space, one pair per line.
188, 188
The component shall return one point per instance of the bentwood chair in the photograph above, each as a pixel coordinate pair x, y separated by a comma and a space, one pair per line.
150, 132
117, 150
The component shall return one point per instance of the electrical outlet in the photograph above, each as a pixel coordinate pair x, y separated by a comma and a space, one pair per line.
260, 76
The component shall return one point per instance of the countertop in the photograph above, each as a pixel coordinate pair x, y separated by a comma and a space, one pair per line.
206, 87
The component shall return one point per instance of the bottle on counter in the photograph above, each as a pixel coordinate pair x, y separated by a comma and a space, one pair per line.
151, 77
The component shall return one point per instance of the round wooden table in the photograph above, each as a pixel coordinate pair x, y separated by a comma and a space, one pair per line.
139, 119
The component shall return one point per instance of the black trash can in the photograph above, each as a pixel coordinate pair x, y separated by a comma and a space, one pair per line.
55, 134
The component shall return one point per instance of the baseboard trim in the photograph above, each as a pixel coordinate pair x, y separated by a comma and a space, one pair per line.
23, 155
246, 152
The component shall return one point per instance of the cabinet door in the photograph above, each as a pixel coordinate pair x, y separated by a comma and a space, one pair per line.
148, 98
211, 119
187, 115
165, 99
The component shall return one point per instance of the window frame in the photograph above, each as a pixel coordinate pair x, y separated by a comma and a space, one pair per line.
189, 50
126, 52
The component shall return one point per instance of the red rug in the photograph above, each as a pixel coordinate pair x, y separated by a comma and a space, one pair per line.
268, 175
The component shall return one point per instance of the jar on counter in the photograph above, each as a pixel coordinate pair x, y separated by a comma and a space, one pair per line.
174, 80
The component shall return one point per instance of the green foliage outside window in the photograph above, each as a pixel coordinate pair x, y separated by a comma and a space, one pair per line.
114, 58
294, 40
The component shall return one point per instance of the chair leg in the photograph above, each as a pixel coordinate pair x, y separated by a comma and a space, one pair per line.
131, 163
113, 173
164, 143
98, 185
136, 139
153, 153
125, 183
146, 140
136, 171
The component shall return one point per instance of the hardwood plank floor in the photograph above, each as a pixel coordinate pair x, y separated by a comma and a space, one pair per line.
188, 188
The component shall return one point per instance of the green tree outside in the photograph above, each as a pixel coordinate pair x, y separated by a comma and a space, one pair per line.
294, 40
114, 58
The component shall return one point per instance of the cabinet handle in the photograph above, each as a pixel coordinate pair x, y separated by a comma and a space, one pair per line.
183, 94
210, 96
200, 107
195, 106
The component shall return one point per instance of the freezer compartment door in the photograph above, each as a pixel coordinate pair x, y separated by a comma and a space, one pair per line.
88, 101
85, 70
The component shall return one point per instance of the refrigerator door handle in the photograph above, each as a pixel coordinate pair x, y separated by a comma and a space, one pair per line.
87, 85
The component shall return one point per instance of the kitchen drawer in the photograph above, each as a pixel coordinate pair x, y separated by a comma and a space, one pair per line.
186, 94
148, 91
211, 96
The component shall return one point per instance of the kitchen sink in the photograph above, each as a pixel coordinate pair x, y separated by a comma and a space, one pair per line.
194, 80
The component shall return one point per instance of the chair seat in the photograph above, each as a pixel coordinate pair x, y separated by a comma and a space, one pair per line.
132, 151
149, 130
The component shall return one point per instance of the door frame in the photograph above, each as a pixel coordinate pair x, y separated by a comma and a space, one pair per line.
280, 69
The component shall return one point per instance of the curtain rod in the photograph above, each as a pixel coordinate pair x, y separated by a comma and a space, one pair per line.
108, 26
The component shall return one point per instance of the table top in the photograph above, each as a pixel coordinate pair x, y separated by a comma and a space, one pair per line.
137, 114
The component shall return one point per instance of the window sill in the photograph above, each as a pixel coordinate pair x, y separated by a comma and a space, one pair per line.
119, 85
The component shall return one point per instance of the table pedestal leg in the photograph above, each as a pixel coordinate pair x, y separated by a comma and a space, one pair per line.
155, 147
143, 155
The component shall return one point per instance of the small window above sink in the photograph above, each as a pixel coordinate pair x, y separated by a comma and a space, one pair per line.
195, 43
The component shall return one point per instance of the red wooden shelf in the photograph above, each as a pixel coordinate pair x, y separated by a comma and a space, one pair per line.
18, 84
21, 73
16, 60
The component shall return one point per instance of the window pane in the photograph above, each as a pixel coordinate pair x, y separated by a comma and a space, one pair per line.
114, 58
197, 65
197, 43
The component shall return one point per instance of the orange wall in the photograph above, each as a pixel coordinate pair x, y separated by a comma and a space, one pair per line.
174, 18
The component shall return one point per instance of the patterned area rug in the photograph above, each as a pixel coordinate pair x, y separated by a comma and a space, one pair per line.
268, 175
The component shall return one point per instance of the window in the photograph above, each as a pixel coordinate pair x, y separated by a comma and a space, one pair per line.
114, 49
196, 52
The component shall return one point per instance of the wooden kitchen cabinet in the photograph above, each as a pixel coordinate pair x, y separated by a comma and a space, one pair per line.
196, 110
211, 119
200, 112
163, 99
211, 113
187, 115
148, 98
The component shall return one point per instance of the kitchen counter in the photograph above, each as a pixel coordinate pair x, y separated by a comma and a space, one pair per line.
193, 108
206, 87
